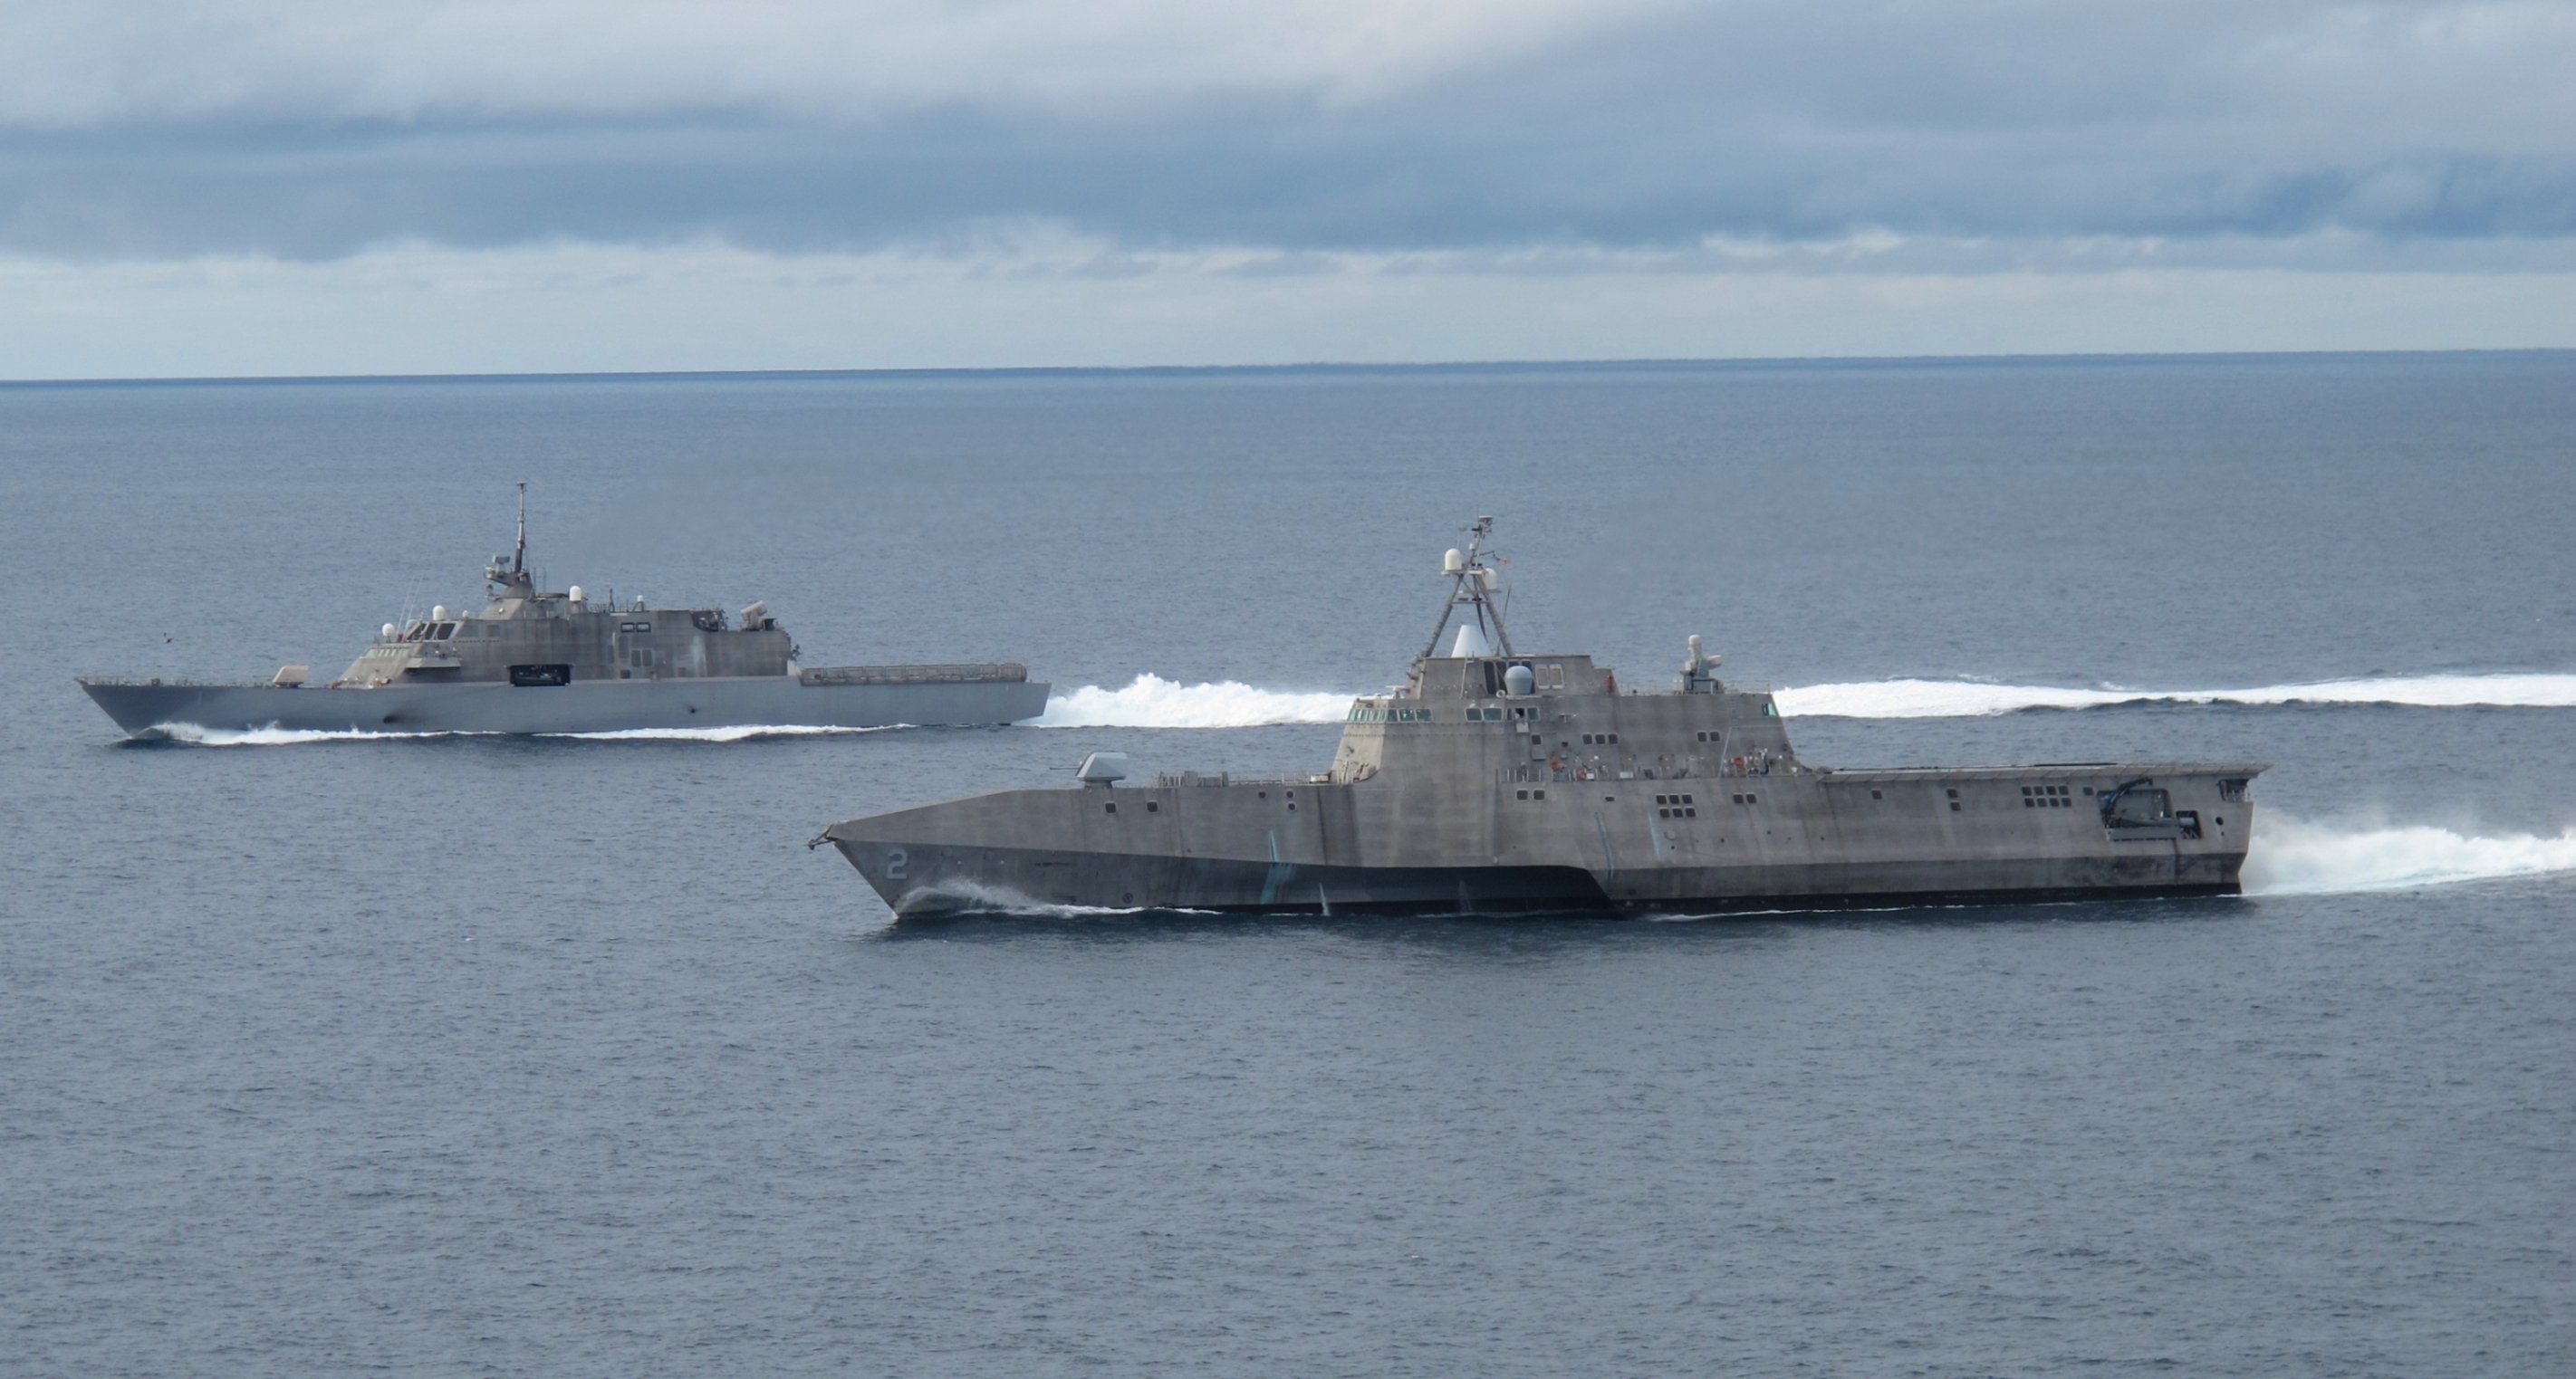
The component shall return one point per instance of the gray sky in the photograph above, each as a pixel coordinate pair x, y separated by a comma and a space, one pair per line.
560, 184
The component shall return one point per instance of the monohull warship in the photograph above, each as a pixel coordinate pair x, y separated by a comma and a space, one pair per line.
1496, 781
539, 662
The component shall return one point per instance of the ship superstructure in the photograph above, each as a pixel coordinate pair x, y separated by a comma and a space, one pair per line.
1495, 780
533, 661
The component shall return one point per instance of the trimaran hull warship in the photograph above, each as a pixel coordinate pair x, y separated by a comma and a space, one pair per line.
1494, 781
536, 662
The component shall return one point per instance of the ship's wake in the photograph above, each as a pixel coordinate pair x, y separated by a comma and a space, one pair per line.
2294, 857
952, 899
196, 736
1974, 699
1150, 701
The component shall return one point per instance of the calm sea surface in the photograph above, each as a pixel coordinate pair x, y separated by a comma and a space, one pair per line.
565, 1057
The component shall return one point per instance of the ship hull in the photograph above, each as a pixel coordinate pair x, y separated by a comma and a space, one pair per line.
922, 880
147, 711
1690, 845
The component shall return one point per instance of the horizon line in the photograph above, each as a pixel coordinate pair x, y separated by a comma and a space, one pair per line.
1312, 367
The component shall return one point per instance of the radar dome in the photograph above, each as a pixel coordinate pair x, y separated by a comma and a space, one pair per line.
574, 593
389, 632
438, 612
1453, 562
1519, 680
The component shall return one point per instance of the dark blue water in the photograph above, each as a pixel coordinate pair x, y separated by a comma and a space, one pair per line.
468, 1056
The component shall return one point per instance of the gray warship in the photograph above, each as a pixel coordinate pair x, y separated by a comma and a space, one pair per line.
538, 662
1494, 781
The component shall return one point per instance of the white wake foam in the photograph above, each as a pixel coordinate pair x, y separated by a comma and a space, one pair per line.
1150, 701
1968, 699
290, 737
276, 737
739, 733
2294, 857
957, 897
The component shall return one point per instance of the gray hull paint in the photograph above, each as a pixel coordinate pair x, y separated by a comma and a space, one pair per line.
1511, 783
145, 711
1021, 881
1814, 841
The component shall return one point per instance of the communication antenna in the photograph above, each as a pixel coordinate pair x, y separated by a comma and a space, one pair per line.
513, 576
1472, 585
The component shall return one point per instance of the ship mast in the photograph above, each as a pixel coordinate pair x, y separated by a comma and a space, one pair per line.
1471, 585
513, 577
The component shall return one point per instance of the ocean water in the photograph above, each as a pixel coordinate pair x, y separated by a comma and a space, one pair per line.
485, 1056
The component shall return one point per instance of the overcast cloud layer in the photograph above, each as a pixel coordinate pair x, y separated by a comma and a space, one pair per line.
1141, 139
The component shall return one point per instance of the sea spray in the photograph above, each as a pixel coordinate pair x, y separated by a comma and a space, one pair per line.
1970, 699
2296, 857
1150, 701
193, 735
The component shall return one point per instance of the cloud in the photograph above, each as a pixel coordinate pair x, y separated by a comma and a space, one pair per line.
1297, 128
1035, 299
410, 61
201, 188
